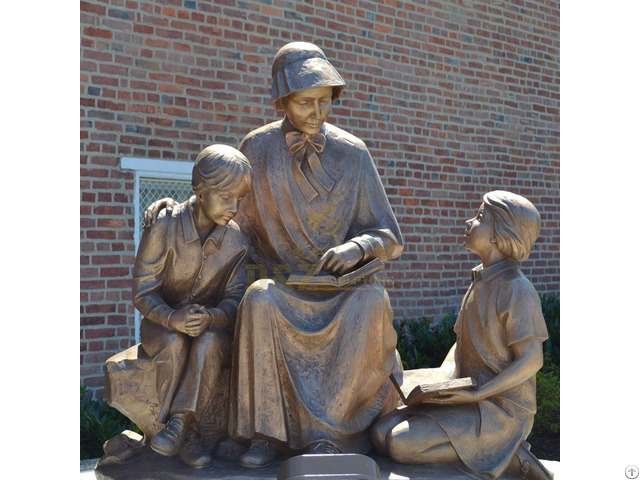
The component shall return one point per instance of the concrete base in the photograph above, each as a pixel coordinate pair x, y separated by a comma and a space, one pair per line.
151, 466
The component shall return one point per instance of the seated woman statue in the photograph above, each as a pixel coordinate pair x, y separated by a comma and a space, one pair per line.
499, 335
189, 277
311, 365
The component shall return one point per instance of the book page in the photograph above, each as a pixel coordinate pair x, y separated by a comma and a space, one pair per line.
407, 380
369, 268
425, 391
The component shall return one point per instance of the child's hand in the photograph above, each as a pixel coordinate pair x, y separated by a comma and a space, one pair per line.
456, 397
191, 320
198, 320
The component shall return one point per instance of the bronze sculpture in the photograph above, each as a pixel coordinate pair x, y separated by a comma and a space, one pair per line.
311, 363
189, 277
311, 366
499, 331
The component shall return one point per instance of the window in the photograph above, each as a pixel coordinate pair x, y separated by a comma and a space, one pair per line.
155, 179
152, 189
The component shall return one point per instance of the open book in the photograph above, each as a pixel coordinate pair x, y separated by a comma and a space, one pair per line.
414, 386
369, 268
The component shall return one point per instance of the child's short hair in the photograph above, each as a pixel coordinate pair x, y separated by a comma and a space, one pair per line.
220, 167
516, 223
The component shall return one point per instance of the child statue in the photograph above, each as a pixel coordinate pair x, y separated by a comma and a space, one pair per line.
189, 278
499, 335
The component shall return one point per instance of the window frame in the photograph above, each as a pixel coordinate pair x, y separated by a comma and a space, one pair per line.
152, 169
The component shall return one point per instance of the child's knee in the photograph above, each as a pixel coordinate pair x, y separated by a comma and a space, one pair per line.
213, 343
176, 343
382, 427
399, 442
378, 434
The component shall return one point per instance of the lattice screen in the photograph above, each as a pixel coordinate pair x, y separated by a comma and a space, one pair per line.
152, 189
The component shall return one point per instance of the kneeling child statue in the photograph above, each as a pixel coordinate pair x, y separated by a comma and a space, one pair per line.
499, 335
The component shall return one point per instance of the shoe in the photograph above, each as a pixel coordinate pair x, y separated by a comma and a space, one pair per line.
193, 454
323, 447
527, 466
168, 441
260, 454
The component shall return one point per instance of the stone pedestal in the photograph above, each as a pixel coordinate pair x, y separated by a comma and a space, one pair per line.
151, 466
130, 387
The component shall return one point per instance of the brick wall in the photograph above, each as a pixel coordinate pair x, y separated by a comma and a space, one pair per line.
453, 98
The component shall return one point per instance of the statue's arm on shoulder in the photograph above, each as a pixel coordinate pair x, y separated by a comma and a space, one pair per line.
153, 211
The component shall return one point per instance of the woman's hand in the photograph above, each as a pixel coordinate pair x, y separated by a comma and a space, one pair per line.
152, 211
341, 259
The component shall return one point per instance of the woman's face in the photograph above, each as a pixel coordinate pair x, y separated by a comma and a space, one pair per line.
477, 236
308, 109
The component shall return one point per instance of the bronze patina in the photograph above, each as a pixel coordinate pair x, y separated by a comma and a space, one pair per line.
499, 335
188, 279
305, 367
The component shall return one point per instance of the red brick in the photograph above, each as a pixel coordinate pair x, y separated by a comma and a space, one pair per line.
100, 235
100, 308
144, 29
171, 88
99, 333
156, 43
111, 223
181, 47
97, 32
105, 259
108, 272
92, 8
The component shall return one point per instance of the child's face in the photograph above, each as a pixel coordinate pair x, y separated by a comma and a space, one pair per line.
220, 206
308, 109
477, 236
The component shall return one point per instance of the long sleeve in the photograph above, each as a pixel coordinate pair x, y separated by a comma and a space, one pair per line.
234, 289
375, 227
149, 273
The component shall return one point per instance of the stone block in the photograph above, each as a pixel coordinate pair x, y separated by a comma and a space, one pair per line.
130, 387
151, 466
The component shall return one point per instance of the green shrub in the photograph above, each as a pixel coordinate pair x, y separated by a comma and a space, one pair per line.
98, 423
547, 420
425, 344
551, 312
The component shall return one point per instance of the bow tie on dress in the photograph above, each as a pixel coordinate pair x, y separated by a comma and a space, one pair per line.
309, 147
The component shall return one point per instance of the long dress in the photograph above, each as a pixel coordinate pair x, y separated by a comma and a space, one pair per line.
312, 365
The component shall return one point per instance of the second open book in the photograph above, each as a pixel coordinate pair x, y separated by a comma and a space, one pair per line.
414, 386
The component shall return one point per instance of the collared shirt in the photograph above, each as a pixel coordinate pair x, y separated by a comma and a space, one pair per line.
174, 268
500, 308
